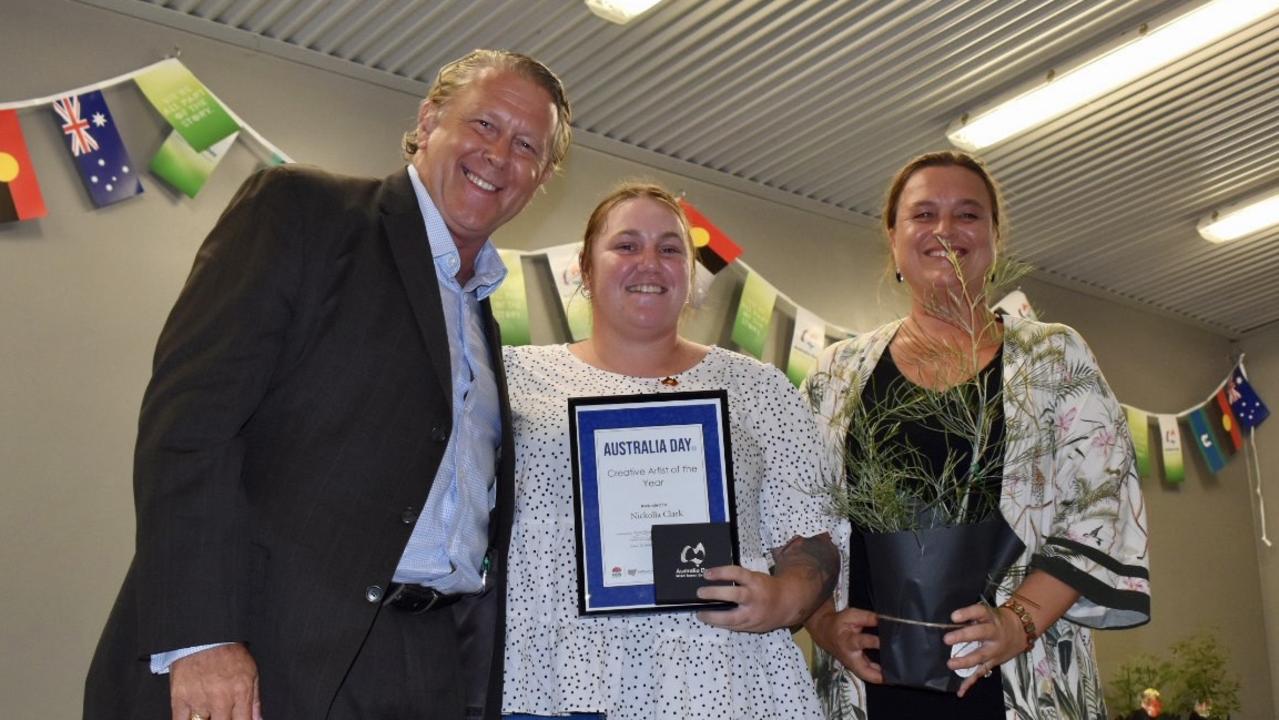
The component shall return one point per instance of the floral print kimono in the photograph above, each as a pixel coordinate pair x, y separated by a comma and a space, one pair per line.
1069, 492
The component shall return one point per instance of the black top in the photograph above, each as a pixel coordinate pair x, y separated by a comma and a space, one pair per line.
985, 698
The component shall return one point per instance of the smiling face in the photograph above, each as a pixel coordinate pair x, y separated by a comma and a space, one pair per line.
483, 154
639, 267
943, 209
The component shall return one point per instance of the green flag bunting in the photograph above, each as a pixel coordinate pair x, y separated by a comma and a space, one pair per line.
509, 302
1139, 427
178, 164
754, 314
1170, 442
186, 104
806, 342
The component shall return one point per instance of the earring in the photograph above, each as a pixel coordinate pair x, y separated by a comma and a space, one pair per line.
586, 291
898, 274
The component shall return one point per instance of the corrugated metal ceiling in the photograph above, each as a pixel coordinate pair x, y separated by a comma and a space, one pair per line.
816, 102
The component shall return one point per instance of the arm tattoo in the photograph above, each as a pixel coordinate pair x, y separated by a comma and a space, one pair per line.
815, 557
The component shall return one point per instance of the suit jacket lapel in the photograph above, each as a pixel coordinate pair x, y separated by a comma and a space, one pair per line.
499, 527
503, 512
406, 234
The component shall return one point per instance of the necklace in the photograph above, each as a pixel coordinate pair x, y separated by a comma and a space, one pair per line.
669, 381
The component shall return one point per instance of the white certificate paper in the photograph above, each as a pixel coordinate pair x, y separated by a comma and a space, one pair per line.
646, 476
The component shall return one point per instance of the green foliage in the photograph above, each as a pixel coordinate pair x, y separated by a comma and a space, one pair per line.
1201, 674
1195, 670
891, 486
896, 489
1136, 674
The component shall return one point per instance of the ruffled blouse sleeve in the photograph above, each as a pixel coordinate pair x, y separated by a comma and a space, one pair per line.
790, 500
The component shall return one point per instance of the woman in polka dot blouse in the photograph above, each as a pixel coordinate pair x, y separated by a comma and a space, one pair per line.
637, 267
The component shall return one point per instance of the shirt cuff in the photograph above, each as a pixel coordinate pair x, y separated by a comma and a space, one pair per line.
160, 662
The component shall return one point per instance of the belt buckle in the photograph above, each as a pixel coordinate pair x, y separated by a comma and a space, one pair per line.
414, 599
435, 598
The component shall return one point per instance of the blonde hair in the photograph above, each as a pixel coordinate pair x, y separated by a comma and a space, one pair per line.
455, 76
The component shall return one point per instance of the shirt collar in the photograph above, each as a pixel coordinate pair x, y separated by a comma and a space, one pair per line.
490, 271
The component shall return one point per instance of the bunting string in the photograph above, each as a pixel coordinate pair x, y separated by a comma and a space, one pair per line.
169, 62
1253, 464
1186, 413
1220, 426
48, 99
832, 330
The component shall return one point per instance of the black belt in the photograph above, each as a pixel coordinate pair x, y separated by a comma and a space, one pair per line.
417, 598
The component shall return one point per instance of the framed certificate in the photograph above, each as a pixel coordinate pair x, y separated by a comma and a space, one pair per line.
640, 461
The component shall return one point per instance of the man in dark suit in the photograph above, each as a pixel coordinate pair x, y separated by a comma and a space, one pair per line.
323, 474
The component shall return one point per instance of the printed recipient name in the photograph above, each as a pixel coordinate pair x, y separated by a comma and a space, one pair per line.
654, 514
641, 447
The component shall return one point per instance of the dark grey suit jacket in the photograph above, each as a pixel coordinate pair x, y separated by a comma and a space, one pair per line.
297, 413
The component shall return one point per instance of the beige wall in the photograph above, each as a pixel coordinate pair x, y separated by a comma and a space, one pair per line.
1263, 371
83, 294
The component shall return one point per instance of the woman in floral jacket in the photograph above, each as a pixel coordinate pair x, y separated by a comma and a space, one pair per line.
1069, 485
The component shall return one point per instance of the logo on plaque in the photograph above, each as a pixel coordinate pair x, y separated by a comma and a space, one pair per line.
692, 556
698, 553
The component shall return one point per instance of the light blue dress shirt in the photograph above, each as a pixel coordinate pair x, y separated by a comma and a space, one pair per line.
447, 546
446, 549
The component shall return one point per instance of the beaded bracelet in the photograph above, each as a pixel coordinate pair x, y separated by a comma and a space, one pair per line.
1027, 624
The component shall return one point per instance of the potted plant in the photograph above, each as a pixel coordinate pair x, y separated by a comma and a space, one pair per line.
1204, 687
1132, 679
1194, 677
934, 535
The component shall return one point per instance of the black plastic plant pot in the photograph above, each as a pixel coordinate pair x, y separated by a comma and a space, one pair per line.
924, 576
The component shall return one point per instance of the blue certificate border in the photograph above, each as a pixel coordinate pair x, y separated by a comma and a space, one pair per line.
707, 409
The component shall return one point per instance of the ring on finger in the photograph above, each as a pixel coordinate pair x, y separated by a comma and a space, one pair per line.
989, 669
196, 716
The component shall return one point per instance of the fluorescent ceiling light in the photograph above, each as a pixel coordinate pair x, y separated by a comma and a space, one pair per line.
620, 11
1095, 77
1241, 220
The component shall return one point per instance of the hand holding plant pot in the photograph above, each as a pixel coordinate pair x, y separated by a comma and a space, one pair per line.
843, 635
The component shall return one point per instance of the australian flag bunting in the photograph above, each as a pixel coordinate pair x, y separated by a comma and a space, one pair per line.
99, 153
1244, 401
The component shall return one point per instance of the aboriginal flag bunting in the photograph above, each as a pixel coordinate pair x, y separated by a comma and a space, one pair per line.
20, 197
1225, 422
714, 249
